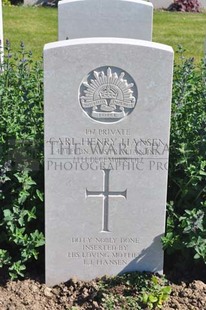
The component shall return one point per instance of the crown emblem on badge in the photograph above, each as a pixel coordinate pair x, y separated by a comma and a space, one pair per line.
106, 96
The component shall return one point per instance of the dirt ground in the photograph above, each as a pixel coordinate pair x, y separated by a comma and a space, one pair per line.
32, 294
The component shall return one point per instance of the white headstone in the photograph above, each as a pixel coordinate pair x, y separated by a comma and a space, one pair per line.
107, 115
105, 18
1, 30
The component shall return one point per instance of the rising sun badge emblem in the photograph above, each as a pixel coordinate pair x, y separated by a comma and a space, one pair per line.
108, 94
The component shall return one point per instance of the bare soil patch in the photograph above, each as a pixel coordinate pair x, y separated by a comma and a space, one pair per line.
32, 294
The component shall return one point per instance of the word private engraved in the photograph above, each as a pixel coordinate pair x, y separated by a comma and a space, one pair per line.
105, 194
108, 94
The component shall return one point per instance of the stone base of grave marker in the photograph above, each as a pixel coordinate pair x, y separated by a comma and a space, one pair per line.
107, 114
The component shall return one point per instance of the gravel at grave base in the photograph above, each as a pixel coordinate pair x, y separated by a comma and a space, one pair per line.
33, 295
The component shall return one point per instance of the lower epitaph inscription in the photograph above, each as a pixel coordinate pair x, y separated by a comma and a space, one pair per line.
105, 194
104, 251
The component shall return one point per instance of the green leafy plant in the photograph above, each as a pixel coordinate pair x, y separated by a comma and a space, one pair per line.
156, 295
186, 211
134, 291
6, 2
21, 160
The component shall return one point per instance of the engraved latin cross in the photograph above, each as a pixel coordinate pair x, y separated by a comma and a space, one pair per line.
105, 194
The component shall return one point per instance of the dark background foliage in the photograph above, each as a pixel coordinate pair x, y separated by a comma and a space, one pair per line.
185, 6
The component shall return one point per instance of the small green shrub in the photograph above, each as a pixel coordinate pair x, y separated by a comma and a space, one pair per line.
21, 161
6, 2
186, 221
156, 295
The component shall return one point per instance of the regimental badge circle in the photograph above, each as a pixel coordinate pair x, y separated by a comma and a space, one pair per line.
108, 94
